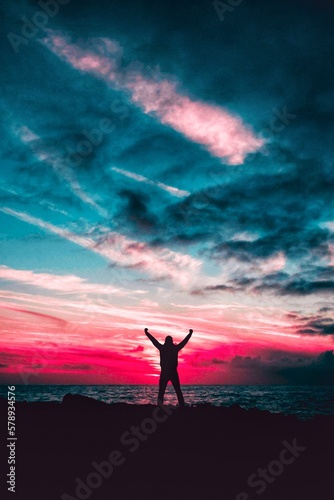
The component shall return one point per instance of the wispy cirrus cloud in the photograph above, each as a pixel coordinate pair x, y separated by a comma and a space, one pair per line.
39, 315
221, 132
238, 274
161, 263
58, 164
140, 178
65, 284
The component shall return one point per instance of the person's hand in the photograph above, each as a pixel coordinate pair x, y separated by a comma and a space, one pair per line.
145, 330
190, 331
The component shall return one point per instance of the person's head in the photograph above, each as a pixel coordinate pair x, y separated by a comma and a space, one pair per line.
169, 340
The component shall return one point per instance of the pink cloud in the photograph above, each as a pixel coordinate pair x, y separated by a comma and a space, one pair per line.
101, 60
221, 132
161, 262
65, 284
331, 254
95, 331
33, 313
158, 262
272, 264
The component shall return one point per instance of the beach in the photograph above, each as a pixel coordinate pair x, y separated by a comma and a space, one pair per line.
82, 448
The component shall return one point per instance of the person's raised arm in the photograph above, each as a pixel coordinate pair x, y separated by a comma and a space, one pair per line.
185, 340
152, 339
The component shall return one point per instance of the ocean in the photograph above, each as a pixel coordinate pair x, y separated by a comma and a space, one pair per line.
302, 401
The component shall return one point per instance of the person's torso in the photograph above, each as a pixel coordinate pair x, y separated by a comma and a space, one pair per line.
168, 357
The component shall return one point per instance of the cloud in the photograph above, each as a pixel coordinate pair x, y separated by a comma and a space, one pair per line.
318, 325
222, 133
287, 368
320, 371
58, 164
303, 287
33, 313
217, 361
139, 348
239, 274
135, 211
162, 263
326, 309
77, 366
140, 178
298, 287
64, 284
246, 361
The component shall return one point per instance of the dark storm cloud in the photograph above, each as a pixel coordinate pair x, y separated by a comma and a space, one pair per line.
212, 289
319, 371
135, 211
303, 287
217, 361
316, 324
282, 208
283, 284
78, 366
246, 361
279, 284
290, 369
326, 309
319, 325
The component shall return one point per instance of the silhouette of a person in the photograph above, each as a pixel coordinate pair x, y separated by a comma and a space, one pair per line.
168, 362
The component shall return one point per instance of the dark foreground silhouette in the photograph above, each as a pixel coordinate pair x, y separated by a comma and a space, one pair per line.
168, 361
84, 449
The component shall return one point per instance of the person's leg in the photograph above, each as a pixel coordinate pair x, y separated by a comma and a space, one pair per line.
176, 384
162, 387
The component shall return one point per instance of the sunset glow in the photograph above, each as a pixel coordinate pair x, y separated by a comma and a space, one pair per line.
151, 178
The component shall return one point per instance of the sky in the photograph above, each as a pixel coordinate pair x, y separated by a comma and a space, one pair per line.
166, 165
